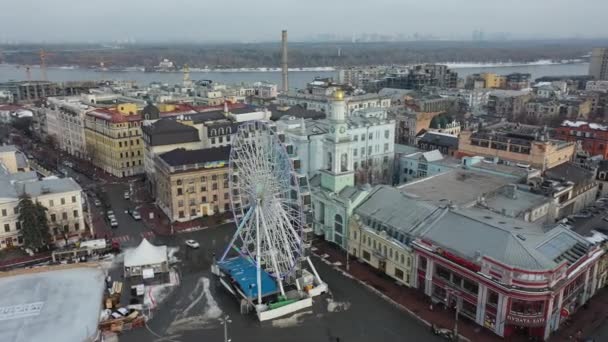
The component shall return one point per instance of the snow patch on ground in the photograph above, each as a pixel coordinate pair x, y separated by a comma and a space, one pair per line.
290, 321
324, 256
337, 263
172, 254
111, 261
335, 306
211, 311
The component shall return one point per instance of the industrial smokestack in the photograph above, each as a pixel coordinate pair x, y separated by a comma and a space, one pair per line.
285, 84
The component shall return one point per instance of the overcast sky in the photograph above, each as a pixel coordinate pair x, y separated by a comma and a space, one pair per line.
262, 20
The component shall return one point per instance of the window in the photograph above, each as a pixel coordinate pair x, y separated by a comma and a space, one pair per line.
181, 214
362, 137
226, 196
73, 199
179, 192
362, 151
179, 182
442, 272
492, 297
203, 188
7, 227
18, 225
214, 186
470, 286
192, 202
75, 213
64, 216
356, 138
203, 179
53, 218
338, 224
76, 226
16, 210
212, 141
371, 136
398, 273
4, 212
120, 144
51, 203
386, 147
180, 203
422, 263
354, 152
214, 198
221, 139
214, 177
401, 258
387, 134
204, 199
366, 255
369, 150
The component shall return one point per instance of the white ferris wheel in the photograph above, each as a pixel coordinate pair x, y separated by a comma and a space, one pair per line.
268, 198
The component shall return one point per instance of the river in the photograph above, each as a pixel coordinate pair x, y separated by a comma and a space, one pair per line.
297, 79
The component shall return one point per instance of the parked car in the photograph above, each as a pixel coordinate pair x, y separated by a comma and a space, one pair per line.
581, 215
127, 195
136, 215
192, 244
97, 203
113, 223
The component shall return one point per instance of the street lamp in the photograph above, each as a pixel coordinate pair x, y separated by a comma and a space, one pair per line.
224, 321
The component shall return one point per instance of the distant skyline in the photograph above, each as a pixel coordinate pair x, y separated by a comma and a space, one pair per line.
245, 21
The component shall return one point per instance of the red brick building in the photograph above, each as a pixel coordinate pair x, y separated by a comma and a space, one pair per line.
593, 137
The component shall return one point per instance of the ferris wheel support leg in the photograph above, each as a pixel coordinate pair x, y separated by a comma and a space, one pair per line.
236, 234
258, 266
314, 270
272, 255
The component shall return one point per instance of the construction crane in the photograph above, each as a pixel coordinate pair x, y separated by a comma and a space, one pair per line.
43, 56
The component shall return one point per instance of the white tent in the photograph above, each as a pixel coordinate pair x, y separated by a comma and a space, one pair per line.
145, 254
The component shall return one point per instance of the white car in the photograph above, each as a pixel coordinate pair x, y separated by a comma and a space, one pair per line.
97, 203
113, 223
192, 244
136, 215
127, 195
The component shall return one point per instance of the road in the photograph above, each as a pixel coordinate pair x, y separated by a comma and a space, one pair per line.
192, 311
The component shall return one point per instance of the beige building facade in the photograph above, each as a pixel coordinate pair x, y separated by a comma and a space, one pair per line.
192, 183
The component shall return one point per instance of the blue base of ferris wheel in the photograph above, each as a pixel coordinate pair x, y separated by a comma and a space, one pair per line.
242, 274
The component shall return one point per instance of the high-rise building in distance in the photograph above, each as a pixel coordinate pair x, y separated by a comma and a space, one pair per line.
598, 66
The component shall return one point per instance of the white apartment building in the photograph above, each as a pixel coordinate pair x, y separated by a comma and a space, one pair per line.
372, 143
321, 103
61, 196
65, 121
597, 86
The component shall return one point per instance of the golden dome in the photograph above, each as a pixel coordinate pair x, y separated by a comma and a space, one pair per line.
339, 95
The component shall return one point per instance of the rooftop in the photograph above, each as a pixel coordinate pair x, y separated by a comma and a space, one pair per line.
510, 241
113, 116
570, 172
584, 124
296, 111
395, 211
182, 156
53, 306
440, 139
169, 132
512, 201
459, 187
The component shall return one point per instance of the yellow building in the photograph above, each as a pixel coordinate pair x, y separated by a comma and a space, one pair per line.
192, 183
382, 227
114, 141
493, 80
13, 160
519, 144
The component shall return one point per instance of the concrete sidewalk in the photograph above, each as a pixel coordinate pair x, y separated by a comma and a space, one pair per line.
583, 323
416, 303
